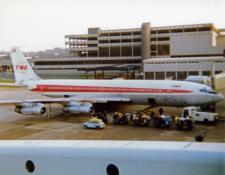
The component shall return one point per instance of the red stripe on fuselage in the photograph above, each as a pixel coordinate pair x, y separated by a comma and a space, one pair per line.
64, 88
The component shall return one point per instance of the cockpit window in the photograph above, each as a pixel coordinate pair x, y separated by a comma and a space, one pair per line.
207, 90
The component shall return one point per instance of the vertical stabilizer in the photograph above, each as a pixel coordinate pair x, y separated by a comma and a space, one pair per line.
23, 71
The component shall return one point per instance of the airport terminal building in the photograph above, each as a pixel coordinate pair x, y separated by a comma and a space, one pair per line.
146, 42
152, 52
175, 51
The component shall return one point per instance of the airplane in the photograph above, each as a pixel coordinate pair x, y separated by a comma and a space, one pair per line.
78, 96
82, 157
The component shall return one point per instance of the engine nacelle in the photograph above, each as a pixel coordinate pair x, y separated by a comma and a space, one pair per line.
75, 107
31, 109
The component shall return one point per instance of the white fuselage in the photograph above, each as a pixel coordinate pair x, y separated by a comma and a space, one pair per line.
160, 92
123, 157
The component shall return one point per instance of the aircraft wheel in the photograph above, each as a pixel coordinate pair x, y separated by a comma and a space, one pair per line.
206, 121
178, 126
190, 127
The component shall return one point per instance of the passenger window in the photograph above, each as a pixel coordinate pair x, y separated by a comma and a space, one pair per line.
112, 170
30, 167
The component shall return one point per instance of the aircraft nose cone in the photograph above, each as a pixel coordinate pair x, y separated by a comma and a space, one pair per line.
219, 97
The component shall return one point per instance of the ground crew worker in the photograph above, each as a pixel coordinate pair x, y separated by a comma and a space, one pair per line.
161, 111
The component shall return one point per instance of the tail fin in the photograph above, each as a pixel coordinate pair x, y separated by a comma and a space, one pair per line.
23, 71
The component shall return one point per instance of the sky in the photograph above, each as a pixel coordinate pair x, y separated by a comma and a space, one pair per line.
36, 25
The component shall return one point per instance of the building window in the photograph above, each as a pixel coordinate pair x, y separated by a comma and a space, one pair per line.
204, 29
82, 54
136, 40
126, 51
92, 54
153, 53
163, 39
104, 41
153, 47
206, 73
149, 75
193, 73
126, 33
92, 39
136, 33
163, 31
137, 50
177, 30
114, 34
171, 75
114, 41
159, 75
181, 75
164, 49
218, 72
114, 51
103, 52
92, 45
104, 34
126, 40
190, 30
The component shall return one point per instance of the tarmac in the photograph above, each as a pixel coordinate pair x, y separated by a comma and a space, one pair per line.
69, 127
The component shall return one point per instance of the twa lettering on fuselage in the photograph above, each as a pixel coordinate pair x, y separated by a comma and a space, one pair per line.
176, 85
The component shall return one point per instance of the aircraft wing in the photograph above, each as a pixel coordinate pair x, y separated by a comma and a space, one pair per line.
44, 101
63, 101
11, 85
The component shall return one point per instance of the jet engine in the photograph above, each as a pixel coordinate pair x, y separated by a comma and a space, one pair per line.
27, 108
76, 107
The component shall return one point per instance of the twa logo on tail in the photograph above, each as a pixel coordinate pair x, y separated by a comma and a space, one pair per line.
21, 67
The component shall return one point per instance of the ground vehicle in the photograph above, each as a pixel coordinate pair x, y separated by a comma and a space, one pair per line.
102, 116
94, 123
141, 120
119, 118
183, 123
199, 116
162, 121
